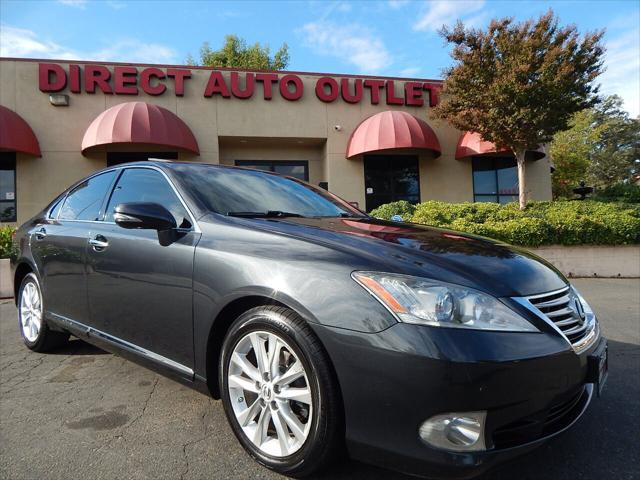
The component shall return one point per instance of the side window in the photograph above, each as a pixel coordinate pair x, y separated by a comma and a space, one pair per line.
84, 202
145, 185
53, 213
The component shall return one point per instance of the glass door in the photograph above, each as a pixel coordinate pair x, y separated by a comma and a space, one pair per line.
389, 178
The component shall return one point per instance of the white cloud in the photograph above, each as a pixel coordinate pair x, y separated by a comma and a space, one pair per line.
19, 42
74, 3
131, 50
438, 13
410, 71
398, 3
352, 44
622, 74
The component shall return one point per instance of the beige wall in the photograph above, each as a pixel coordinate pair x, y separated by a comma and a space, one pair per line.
277, 129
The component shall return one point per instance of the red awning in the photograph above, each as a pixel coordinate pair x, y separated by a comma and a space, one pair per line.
16, 134
472, 145
392, 129
139, 123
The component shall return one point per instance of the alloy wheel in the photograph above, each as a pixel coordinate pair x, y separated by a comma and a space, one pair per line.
270, 393
30, 311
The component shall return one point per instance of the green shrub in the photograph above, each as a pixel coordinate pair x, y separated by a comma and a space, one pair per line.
402, 208
6, 241
541, 223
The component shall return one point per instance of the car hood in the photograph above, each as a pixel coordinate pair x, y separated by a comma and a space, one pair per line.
445, 255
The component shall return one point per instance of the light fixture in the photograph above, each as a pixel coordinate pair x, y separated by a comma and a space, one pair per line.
59, 100
458, 432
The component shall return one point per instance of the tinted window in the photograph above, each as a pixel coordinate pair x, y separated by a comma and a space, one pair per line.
297, 169
389, 178
84, 202
227, 190
7, 187
53, 213
495, 179
145, 185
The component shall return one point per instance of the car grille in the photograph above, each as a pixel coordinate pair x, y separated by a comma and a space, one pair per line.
563, 308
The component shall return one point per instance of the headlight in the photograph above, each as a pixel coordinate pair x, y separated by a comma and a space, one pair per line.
427, 302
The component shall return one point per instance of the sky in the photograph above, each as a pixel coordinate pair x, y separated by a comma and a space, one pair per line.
391, 37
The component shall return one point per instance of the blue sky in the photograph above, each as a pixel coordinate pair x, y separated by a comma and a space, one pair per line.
395, 37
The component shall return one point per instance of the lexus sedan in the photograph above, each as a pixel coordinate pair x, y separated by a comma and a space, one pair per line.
322, 330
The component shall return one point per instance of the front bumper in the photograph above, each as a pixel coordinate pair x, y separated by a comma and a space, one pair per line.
532, 385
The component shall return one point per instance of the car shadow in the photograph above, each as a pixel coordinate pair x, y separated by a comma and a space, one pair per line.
600, 445
75, 346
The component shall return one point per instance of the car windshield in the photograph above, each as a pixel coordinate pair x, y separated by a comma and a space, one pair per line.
252, 193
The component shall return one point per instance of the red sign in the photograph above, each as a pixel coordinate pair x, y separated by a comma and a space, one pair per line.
127, 80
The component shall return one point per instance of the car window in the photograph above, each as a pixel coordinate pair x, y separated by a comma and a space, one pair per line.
231, 190
145, 185
53, 212
84, 201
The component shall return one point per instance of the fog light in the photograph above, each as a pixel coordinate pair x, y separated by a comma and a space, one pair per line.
460, 432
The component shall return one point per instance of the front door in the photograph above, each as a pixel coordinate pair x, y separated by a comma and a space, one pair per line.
389, 178
140, 291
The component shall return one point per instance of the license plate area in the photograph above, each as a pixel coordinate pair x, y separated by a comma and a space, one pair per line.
598, 367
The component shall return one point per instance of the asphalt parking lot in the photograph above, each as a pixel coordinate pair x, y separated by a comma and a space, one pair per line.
84, 413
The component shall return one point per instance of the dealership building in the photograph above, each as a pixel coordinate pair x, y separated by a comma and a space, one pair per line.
370, 140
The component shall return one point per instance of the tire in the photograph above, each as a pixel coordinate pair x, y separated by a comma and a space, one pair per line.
299, 454
35, 332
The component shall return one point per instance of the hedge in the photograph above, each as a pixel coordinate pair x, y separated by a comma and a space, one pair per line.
540, 223
6, 240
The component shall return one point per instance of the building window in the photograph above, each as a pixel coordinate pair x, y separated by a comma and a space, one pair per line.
116, 158
495, 179
8, 187
298, 168
390, 178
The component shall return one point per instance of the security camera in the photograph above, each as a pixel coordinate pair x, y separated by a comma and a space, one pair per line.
337, 128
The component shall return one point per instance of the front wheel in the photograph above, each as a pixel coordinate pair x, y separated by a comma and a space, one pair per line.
279, 393
36, 335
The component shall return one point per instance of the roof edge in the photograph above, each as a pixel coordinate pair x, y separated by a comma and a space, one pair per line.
224, 69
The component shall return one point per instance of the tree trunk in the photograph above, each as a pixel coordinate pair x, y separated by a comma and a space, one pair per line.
522, 193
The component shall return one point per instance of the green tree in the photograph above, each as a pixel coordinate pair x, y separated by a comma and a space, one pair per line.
617, 150
571, 151
601, 147
517, 84
235, 53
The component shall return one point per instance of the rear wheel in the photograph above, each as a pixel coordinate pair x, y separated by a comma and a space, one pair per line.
279, 393
35, 333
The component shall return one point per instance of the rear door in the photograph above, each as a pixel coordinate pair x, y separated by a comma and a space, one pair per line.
59, 245
140, 291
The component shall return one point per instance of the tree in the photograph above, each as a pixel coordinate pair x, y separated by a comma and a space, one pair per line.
571, 151
601, 147
235, 53
517, 84
614, 156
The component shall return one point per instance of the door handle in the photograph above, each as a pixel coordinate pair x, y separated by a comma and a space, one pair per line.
99, 243
41, 234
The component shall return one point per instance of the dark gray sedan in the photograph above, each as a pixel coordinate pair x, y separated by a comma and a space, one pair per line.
322, 330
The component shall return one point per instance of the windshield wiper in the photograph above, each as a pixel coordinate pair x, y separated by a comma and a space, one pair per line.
267, 214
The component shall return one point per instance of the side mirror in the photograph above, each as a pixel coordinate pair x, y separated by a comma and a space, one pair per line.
151, 216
